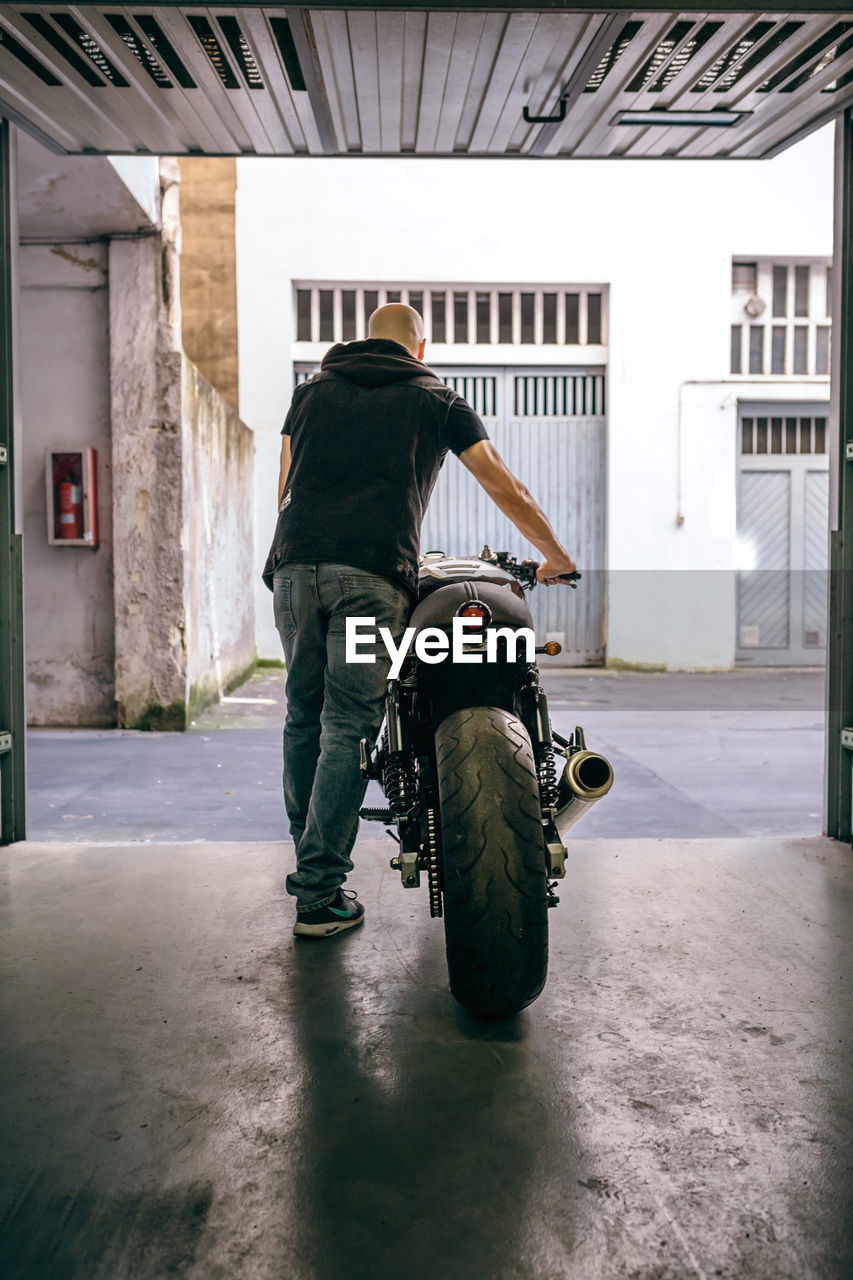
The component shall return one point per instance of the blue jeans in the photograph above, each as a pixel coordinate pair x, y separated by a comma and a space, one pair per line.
331, 704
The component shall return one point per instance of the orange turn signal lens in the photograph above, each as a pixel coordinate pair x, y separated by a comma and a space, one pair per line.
553, 647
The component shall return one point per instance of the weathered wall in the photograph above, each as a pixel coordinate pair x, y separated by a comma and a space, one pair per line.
150, 665
65, 393
218, 540
209, 270
182, 515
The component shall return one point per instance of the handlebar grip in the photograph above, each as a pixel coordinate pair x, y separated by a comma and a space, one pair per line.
571, 577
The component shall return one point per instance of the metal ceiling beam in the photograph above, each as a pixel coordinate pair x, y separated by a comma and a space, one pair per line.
309, 60
595, 51
533, 6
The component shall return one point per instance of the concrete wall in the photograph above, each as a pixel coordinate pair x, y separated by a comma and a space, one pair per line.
662, 234
209, 270
218, 538
65, 402
150, 665
182, 511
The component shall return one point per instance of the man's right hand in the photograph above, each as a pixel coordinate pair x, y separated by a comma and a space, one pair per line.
549, 570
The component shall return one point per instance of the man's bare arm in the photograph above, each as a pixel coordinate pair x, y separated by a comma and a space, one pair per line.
515, 501
284, 466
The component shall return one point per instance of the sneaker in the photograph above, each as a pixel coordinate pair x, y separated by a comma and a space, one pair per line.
343, 912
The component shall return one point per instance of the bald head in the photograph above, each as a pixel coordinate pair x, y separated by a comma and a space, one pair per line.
398, 323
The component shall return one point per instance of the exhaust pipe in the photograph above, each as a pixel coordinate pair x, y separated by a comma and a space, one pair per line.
586, 778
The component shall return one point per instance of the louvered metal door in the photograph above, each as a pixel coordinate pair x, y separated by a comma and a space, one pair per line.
783, 496
549, 426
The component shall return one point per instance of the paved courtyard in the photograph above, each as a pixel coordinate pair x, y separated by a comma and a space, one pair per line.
732, 754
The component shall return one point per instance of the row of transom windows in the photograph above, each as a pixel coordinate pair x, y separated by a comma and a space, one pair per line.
783, 435
568, 315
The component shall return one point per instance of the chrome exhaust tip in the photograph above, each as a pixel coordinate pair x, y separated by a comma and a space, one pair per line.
586, 777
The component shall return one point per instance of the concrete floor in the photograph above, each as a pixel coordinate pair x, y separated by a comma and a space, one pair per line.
185, 1091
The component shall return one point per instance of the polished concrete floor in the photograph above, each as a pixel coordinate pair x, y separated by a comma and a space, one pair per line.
188, 1092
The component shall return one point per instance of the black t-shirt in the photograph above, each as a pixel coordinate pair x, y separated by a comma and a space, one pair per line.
368, 435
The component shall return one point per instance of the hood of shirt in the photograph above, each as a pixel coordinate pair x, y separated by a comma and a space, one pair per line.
375, 362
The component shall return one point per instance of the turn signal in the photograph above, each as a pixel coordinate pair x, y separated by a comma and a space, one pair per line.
552, 648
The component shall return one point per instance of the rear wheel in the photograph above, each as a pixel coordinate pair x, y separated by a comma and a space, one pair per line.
495, 910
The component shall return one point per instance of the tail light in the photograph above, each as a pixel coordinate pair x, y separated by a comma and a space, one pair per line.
476, 609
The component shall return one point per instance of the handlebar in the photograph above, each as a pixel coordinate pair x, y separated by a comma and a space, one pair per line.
524, 570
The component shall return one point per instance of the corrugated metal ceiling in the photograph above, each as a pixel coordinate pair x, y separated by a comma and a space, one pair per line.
282, 81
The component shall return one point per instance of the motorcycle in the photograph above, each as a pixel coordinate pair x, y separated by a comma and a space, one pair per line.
467, 763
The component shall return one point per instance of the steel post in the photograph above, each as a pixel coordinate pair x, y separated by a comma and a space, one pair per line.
839, 755
12, 712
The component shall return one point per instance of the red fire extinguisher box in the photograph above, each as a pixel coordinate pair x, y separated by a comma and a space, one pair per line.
71, 476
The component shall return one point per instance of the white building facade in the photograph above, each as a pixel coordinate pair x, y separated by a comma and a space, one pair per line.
648, 343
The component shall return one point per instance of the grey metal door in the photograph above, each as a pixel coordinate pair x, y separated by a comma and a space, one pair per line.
783, 496
549, 426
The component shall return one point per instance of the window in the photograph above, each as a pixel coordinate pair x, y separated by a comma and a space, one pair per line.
438, 302
593, 318
796, 296
348, 315
504, 317
528, 311
737, 331
460, 317
573, 318
327, 315
371, 302
559, 316
484, 317
745, 278
801, 291
801, 349
780, 291
303, 315
783, 435
549, 317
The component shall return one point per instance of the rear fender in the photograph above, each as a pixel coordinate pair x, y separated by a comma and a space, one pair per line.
440, 607
450, 686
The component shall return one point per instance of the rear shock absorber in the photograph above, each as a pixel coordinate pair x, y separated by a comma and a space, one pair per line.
543, 748
399, 783
398, 775
546, 770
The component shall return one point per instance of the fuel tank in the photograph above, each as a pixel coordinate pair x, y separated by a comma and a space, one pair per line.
446, 584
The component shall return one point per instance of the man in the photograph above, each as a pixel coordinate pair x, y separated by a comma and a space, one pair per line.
360, 453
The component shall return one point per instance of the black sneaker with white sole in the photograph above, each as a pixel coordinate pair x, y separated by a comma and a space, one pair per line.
343, 912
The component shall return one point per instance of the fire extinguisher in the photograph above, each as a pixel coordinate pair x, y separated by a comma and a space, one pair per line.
70, 510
